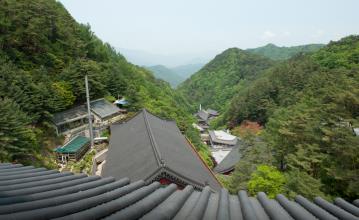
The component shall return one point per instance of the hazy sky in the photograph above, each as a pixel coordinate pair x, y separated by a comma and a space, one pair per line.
200, 26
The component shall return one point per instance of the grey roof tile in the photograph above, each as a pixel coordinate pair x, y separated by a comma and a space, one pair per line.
147, 145
103, 108
69, 115
230, 161
106, 198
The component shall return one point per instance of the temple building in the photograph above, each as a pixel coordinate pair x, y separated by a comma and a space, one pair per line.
76, 119
73, 150
227, 165
153, 149
222, 139
205, 116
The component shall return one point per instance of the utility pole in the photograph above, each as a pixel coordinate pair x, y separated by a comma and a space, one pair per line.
89, 111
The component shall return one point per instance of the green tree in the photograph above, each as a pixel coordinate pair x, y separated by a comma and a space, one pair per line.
17, 139
266, 179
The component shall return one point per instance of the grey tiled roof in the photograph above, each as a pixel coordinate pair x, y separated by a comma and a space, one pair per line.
147, 146
103, 108
230, 161
212, 112
202, 114
214, 138
70, 115
36, 193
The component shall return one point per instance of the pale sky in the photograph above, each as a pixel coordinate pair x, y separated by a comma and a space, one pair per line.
201, 26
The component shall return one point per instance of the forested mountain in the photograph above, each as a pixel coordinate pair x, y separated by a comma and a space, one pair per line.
186, 71
44, 56
282, 53
217, 82
309, 106
174, 75
166, 74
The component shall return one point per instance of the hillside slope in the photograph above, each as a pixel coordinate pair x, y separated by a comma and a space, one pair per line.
282, 53
217, 82
166, 74
44, 56
309, 106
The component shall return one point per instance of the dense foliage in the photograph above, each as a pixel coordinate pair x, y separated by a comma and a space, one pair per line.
309, 106
16, 137
218, 81
44, 56
283, 53
266, 179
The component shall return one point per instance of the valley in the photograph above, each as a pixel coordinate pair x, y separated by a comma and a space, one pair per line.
274, 119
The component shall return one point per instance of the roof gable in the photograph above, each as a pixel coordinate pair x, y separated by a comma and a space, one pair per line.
161, 145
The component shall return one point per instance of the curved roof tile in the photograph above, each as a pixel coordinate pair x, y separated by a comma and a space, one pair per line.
61, 197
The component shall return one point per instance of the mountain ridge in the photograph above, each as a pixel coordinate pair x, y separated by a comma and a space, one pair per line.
275, 52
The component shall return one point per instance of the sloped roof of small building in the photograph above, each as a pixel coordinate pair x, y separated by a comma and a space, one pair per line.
230, 161
146, 146
223, 137
202, 114
103, 108
212, 112
73, 145
70, 115
36, 193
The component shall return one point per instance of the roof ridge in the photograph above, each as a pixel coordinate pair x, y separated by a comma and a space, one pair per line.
154, 146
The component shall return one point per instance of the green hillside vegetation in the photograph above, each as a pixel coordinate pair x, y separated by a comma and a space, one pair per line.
283, 53
309, 106
166, 74
43, 61
217, 82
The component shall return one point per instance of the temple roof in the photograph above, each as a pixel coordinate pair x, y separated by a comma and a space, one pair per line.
212, 112
202, 114
100, 107
230, 161
73, 145
146, 146
36, 193
70, 115
223, 137
103, 108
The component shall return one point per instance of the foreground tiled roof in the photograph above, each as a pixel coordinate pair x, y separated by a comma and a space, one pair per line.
36, 193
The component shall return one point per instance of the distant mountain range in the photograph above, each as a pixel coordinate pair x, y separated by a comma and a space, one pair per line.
144, 58
175, 75
282, 53
219, 80
159, 64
